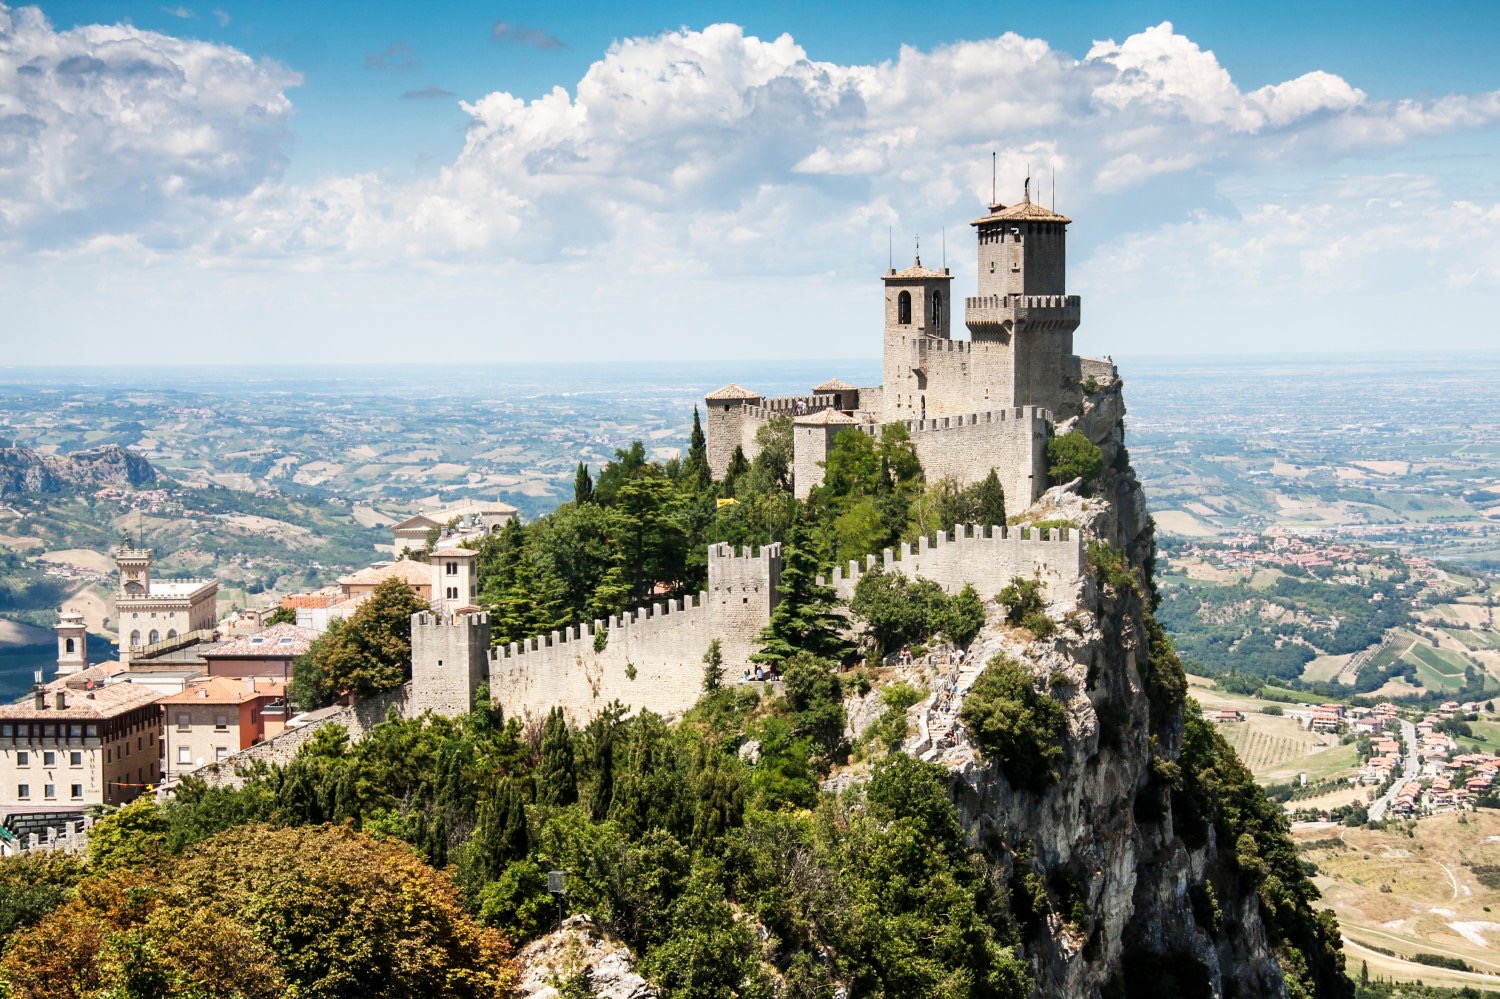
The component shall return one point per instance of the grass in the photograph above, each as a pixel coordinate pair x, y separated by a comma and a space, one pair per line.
1283, 695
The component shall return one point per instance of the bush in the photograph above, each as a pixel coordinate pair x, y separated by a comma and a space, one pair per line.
1015, 725
1073, 456
1024, 606
1271, 709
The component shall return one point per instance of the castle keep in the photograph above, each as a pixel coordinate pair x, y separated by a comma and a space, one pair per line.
971, 405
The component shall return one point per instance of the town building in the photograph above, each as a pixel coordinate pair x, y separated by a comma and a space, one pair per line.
466, 518
218, 716
268, 654
150, 611
79, 741
414, 572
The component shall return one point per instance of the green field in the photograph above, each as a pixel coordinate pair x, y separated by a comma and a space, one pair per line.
1282, 694
1438, 669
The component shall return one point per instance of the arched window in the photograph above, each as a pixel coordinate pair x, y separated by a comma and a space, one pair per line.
937, 308
903, 308
135, 639
171, 632
71, 647
154, 637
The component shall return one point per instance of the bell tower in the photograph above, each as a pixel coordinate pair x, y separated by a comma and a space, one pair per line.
72, 643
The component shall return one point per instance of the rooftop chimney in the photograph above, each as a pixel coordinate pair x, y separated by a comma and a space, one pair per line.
250, 684
41, 699
62, 701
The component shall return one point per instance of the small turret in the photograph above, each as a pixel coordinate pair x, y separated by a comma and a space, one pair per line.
72, 643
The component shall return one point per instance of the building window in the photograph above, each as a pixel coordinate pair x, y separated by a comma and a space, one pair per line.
135, 639
171, 632
184, 724
903, 308
221, 753
49, 791
23, 758
184, 755
49, 758
937, 308
221, 723
154, 637
23, 791
72, 646
75, 759
452, 568
76, 791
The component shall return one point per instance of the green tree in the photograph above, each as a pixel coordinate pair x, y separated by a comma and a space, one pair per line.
713, 667
556, 780
989, 501
1014, 724
804, 618
502, 833
738, 466
815, 701
1073, 456
583, 482
695, 470
371, 653
281, 615
961, 616
897, 610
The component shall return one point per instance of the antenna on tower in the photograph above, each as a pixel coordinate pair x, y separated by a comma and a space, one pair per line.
1054, 189
993, 156
1026, 190
890, 246
945, 248
919, 249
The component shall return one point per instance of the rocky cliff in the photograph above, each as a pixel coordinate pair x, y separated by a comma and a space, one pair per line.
24, 472
1119, 870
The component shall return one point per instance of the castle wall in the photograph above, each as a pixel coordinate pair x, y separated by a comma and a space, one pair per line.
987, 558
664, 643
965, 448
449, 659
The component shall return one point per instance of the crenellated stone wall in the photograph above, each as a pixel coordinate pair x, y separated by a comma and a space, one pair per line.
987, 558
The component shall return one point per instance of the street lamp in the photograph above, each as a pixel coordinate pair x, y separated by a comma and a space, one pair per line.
555, 885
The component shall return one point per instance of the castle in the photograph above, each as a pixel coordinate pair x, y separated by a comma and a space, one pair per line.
988, 402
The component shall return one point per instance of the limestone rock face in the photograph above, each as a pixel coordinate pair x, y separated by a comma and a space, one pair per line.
557, 957
26, 472
1132, 875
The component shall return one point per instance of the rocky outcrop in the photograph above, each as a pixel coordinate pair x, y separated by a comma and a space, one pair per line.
553, 962
24, 472
1124, 890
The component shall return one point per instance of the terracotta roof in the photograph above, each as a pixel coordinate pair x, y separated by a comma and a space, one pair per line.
275, 642
408, 570
226, 690
918, 273
101, 702
454, 552
733, 391
835, 385
293, 601
1026, 211
824, 418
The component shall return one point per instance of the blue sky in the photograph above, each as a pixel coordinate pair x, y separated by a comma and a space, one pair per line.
388, 182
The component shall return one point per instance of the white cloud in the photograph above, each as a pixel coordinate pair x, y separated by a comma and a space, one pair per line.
114, 131
697, 153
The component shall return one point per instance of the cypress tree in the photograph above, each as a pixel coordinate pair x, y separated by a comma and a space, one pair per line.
738, 466
713, 667
501, 834
804, 619
556, 781
990, 506
695, 467
583, 485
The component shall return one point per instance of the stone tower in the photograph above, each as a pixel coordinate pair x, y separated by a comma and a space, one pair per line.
1023, 307
812, 439
917, 308
725, 424
454, 582
134, 565
72, 643
449, 660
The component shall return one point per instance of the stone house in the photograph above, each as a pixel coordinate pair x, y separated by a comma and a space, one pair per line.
268, 654
217, 717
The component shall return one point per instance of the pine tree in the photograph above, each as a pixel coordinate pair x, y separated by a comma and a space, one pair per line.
583, 485
695, 468
738, 466
556, 781
804, 619
991, 501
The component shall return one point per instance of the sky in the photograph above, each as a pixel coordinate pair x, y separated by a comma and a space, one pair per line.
466, 182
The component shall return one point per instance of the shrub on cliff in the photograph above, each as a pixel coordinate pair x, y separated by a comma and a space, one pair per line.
1073, 456
1015, 725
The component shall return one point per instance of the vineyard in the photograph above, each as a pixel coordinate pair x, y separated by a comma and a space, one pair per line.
1266, 743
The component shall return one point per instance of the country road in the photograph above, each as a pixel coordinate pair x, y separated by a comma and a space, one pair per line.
1413, 767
